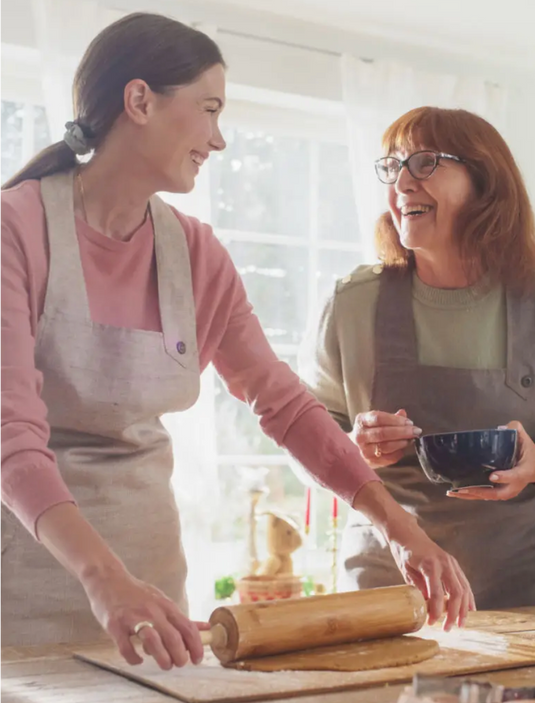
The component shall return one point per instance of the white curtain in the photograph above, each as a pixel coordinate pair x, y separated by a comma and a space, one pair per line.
378, 92
63, 30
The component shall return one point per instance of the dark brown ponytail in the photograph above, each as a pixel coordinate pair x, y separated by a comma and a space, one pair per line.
55, 158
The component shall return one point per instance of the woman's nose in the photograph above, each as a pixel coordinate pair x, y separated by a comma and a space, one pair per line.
406, 181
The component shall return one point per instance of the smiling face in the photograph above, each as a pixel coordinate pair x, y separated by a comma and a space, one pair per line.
174, 133
425, 212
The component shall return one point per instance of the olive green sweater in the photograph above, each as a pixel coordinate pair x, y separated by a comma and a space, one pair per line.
464, 328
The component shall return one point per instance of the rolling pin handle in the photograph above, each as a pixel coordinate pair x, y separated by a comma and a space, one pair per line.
216, 636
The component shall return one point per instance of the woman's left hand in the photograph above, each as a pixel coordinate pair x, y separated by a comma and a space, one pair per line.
508, 484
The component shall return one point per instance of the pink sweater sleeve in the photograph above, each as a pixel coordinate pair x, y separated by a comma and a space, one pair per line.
31, 482
230, 335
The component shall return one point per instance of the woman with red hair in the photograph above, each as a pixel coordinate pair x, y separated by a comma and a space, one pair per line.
441, 337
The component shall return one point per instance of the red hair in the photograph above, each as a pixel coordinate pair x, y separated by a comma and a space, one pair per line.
496, 231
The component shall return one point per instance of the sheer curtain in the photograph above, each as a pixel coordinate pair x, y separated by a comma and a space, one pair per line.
64, 29
378, 92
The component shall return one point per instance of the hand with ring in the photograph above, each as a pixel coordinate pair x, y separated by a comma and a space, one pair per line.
127, 607
383, 437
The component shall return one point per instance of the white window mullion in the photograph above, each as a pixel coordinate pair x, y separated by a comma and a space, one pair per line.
253, 459
232, 235
313, 262
28, 149
350, 247
313, 240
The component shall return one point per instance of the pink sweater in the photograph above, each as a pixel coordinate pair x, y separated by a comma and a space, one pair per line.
121, 282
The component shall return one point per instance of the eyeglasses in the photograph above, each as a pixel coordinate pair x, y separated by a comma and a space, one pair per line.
421, 165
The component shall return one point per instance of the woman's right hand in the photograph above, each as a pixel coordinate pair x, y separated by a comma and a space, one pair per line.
435, 573
383, 437
422, 562
119, 602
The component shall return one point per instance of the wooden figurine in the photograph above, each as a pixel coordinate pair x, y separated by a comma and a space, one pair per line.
283, 539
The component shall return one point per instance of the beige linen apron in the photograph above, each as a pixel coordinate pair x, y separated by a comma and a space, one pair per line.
494, 542
105, 388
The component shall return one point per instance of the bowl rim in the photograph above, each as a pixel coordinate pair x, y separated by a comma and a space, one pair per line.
464, 432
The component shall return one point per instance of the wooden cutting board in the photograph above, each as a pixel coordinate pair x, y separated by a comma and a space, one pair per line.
462, 652
514, 620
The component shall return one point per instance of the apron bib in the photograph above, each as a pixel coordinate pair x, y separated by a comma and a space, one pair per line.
105, 389
494, 542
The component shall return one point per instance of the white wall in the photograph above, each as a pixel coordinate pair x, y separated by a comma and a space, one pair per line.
521, 132
288, 56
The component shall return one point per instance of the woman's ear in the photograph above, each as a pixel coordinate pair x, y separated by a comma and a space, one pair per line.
138, 101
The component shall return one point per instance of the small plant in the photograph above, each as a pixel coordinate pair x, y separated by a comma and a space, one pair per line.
312, 588
224, 587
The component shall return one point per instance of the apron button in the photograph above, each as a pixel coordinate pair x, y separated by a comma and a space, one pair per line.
526, 381
181, 347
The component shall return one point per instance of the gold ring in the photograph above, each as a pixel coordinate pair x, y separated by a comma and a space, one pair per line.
141, 625
377, 452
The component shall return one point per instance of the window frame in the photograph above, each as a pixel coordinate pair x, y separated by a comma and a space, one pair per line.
255, 109
283, 115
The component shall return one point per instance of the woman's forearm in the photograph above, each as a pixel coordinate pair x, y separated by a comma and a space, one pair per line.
376, 503
77, 546
118, 600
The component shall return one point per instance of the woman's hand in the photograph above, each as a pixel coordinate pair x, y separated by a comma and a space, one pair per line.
383, 437
119, 602
422, 563
436, 574
508, 484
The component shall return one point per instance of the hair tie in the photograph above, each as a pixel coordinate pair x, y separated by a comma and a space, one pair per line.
76, 139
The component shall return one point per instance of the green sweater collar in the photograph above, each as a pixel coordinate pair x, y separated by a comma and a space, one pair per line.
449, 297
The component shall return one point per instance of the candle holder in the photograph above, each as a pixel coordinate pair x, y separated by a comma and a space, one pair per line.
333, 535
253, 482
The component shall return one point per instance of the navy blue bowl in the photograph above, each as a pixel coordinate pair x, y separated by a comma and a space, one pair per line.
465, 459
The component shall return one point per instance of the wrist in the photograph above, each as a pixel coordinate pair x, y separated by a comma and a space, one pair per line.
97, 571
77, 545
393, 521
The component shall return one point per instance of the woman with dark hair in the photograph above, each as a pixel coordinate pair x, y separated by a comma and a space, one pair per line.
112, 305
441, 337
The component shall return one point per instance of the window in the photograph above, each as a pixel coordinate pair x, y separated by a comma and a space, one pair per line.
284, 208
24, 133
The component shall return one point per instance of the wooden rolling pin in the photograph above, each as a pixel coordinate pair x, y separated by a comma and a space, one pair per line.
255, 630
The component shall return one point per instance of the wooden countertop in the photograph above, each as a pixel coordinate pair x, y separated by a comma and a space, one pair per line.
49, 674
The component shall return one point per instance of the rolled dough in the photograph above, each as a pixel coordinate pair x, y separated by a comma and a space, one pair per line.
357, 656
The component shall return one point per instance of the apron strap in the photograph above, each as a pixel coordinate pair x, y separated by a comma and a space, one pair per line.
395, 333
175, 288
66, 291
